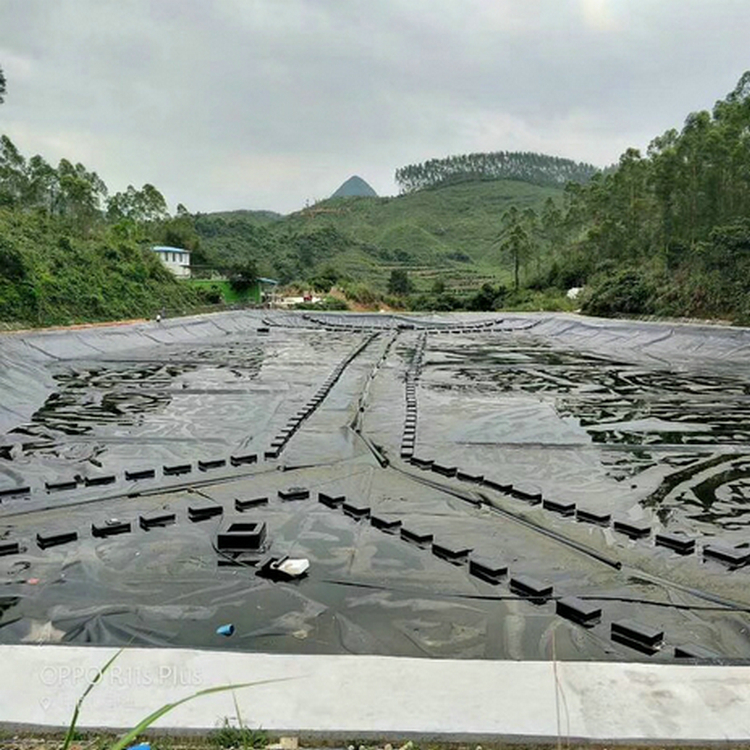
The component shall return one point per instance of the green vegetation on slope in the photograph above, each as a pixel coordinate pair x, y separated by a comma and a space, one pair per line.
667, 233
453, 233
49, 275
69, 252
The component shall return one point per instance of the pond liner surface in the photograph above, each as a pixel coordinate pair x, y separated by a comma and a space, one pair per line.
537, 398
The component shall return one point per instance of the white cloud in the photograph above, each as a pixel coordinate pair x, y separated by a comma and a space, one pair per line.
262, 104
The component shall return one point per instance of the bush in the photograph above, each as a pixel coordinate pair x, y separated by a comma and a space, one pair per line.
628, 292
327, 303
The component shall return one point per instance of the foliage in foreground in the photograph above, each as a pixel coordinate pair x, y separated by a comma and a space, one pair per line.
241, 732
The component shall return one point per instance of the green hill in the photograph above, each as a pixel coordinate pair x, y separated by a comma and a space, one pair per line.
449, 232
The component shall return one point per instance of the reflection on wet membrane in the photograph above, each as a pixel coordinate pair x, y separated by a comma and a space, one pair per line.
122, 394
650, 414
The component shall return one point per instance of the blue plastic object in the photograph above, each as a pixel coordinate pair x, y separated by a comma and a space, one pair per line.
225, 630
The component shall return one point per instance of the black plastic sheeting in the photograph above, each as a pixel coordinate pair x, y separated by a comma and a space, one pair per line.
465, 474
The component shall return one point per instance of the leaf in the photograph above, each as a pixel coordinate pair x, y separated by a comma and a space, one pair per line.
123, 743
70, 734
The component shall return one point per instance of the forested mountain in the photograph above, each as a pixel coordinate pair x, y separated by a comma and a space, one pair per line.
536, 169
453, 229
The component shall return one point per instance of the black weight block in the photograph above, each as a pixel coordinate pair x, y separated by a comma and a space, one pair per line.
239, 535
133, 476
253, 502
384, 523
578, 610
214, 463
154, 520
559, 506
445, 471
356, 509
528, 586
454, 552
677, 542
593, 516
15, 491
417, 535
202, 512
694, 651
176, 469
99, 481
70, 484
490, 569
530, 493
494, 484
331, 501
422, 463
53, 540
9, 548
294, 493
633, 529
466, 477
110, 529
731, 556
247, 458
635, 635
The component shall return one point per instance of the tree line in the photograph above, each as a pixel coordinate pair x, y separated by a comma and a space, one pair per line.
668, 231
70, 251
537, 169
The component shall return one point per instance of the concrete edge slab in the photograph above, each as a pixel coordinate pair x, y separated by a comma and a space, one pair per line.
380, 696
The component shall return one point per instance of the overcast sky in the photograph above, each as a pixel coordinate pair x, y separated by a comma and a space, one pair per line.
226, 104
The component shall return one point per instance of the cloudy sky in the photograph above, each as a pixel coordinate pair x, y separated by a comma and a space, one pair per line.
227, 104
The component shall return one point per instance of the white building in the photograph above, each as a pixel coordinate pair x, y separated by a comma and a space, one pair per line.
176, 259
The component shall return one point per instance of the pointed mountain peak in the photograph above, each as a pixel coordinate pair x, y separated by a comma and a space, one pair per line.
355, 186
